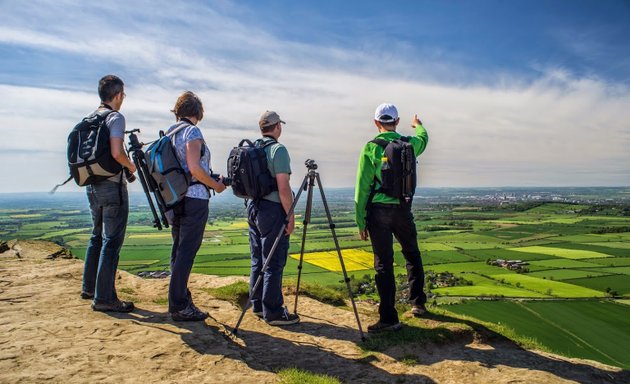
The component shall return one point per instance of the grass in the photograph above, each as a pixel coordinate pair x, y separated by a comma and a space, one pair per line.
586, 329
324, 294
561, 252
236, 293
161, 301
548, 287
299, 376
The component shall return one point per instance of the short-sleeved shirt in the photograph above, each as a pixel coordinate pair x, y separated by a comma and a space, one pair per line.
115, 122
278, 161
180, 139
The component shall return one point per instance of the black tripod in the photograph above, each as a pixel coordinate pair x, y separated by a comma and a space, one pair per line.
148, 185
307, 184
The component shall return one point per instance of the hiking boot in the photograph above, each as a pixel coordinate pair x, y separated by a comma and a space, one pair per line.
190, 313
384, 327
418, 310
87, 295
285, 319
116, 306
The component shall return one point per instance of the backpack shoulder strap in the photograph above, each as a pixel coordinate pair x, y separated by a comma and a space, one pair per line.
262, 143
182, 125
380, 142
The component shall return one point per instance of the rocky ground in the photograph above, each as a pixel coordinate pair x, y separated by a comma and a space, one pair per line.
49, 334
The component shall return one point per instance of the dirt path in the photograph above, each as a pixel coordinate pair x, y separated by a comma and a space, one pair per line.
47, 333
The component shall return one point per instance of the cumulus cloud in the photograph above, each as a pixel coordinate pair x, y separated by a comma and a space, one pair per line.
557, 130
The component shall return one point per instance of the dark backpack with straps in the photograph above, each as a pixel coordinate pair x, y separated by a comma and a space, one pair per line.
247, 167
398, 172
89, 154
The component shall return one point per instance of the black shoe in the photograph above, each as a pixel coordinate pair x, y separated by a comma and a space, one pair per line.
285, 319
86, 295
116, 306
384, 327
418, 310
190, 313
259, 314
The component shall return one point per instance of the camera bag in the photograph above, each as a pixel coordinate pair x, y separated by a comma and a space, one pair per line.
247, 167
89, 155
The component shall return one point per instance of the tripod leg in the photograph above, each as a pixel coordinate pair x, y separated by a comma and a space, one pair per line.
266, 264
307, 220
154, 188
343, 266
142, 172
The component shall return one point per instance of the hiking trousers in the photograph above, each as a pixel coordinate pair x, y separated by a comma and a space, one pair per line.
109, 206
384, 222
188, 222
265, 220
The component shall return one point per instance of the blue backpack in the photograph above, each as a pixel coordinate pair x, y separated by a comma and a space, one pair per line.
166, 171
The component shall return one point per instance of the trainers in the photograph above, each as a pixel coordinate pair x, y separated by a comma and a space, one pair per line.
258, 313
87, 295
384, 327
285, 319
116, 306
418, 310
190, 313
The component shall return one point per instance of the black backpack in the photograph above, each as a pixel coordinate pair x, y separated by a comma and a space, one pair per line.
89, 155
247, 167
398, 173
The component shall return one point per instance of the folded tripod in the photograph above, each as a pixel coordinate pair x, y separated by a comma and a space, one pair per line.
150, 188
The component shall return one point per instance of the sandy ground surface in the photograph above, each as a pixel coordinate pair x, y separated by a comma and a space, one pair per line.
49, 334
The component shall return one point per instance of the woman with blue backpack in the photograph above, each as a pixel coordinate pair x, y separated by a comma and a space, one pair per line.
188, 218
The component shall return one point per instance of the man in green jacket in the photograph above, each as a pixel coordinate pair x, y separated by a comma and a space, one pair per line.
380, 217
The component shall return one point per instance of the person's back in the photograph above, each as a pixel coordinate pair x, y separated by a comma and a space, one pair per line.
109, 206
265, 218
380, 217
188, 217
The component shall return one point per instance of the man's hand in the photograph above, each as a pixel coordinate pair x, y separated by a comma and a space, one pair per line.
363, 233
132, 168
415, 121
290, 225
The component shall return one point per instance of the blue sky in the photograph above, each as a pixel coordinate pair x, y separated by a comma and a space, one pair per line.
513, 93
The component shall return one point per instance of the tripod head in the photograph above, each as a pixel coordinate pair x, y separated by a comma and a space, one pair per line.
310, 164
134, 143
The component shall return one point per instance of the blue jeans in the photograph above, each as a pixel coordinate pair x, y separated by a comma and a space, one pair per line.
265, 220
188, 221
109, 206
383, 224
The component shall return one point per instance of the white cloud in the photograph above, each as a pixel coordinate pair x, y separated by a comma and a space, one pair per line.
558, 130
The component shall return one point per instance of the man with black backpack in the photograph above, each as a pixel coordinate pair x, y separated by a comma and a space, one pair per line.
266, 216
109, 206
386, 181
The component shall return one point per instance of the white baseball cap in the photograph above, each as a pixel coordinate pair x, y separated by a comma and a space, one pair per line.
386, 113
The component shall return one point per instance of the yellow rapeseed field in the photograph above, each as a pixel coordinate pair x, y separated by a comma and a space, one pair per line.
354, 259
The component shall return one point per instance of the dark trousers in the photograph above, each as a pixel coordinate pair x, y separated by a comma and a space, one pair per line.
384, 223
265, 220
188, 222
109, 206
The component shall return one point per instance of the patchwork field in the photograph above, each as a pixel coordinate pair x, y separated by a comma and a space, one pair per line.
571, 257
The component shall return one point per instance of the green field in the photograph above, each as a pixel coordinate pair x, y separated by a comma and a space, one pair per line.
587, 329
565, 252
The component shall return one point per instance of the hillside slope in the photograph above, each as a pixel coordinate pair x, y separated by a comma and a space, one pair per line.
47, 333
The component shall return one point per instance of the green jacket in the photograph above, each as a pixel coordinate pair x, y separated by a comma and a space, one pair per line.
369, 171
